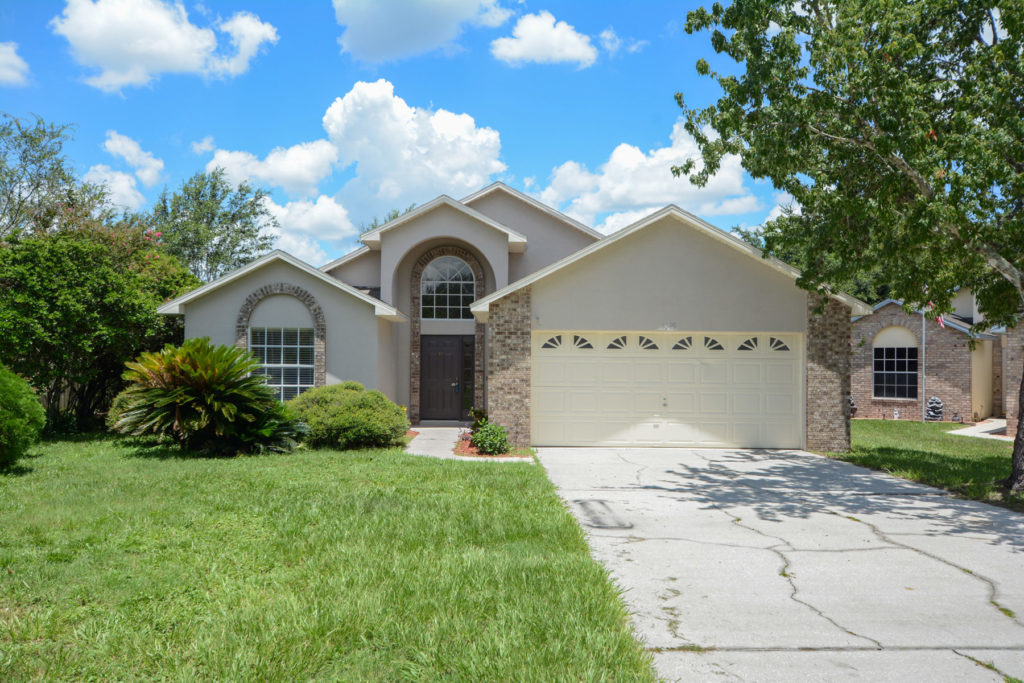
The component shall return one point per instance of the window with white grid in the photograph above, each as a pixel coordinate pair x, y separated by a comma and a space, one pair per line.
287, 357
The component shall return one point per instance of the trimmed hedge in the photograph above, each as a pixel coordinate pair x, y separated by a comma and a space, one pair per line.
347, 416
21, 417
491, 439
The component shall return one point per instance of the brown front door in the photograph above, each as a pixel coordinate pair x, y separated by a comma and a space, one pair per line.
446, 377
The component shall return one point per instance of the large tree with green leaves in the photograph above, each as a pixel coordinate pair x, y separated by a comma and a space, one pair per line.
76, 304
897, 127
212, 226
39, 191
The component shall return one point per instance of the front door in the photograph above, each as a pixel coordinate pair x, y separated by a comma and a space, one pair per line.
446, 377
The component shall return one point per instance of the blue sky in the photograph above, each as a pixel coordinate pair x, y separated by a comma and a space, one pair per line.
343, 110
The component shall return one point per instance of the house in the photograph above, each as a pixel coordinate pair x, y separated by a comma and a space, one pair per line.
669, 332
901, 359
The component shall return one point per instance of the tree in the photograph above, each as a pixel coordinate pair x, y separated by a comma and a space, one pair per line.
213, 227
897, 127
38, 191
388, 217
869, 286
80, 303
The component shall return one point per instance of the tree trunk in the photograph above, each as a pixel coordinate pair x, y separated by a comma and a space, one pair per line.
1016, 480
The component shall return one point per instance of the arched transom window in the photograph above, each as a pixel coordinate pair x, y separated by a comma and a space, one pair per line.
447, 288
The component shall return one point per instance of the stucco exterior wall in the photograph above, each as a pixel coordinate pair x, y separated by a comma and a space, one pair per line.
441, 224
361, 271
668, 276
981, 380
352, 328
548, 238
944, 369
281, 310
387, 375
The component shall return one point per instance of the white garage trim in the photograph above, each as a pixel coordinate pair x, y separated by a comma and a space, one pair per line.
655, 388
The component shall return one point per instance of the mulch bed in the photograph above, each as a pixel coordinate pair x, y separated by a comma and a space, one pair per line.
465, 448
411, 434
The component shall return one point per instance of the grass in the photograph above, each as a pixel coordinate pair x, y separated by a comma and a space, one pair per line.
924, 452
120, 561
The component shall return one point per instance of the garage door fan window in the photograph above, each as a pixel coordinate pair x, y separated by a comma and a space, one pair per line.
895, 372
286, 354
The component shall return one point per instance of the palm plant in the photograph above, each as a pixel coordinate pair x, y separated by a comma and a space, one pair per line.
206, 399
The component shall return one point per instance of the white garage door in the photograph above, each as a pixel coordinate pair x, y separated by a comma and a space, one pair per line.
667, 389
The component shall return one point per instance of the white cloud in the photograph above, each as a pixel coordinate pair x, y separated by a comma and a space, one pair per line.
381, 30
13, 69
203, 146
303, 223
297, 169
323, 219
120, 186
147, 167
539, 38
247, 34
633, 183
406, 154
132, 42
610, 41
636, 45
303, 248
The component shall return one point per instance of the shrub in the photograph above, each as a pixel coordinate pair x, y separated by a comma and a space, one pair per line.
204, 398
347, 416
491, 439
21, 417
479, 416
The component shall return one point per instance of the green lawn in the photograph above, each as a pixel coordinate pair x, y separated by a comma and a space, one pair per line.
924, 452
119, 561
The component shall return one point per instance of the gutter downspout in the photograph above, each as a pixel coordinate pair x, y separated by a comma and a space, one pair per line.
924, 354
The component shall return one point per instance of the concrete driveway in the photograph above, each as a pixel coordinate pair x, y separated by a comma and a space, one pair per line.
786, 566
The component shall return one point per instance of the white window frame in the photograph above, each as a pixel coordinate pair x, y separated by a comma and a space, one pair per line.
278, 362
465, 297
875, 372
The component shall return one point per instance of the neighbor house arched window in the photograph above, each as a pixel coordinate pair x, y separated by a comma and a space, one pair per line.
895, 363
447, 288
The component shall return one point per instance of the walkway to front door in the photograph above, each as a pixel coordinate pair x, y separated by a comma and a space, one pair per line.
446, 377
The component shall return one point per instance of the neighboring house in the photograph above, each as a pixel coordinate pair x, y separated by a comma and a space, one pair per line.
669, 332
900, 360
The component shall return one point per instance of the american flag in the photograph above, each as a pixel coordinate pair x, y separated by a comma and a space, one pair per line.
939, 319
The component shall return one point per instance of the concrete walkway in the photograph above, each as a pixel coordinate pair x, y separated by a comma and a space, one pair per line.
994, 428
786, 566
439, 442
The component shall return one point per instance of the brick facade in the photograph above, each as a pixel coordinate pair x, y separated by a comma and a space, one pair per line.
319, 323
998, 397
1013, 367
946, 366
828, 376
414, 331
509, 365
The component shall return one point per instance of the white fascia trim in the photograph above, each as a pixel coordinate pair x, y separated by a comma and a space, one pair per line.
516, 241
352, 255
554, 213
380, 309
949, 323
481, 307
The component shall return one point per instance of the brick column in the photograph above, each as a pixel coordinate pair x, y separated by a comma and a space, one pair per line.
1013, 365
509, 365
828, 376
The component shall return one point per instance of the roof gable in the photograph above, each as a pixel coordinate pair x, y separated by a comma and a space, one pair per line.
516, 241
527, 199
380, 309
481, 307
954, 324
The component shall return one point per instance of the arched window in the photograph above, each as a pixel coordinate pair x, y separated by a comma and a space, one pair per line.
895, 363
447, 288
